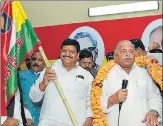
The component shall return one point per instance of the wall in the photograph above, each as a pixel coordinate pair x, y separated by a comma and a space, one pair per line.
45, 13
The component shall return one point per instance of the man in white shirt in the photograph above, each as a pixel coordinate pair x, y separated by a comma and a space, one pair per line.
142, 103
76, 84
16, 120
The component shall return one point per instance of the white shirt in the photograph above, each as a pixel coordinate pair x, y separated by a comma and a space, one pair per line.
76, 90
17, 111
143, 95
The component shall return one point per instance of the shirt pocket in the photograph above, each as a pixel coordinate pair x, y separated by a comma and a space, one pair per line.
78, 89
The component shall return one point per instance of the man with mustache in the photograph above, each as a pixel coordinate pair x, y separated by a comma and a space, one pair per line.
142, 102
76, 84
27, 79
86, 61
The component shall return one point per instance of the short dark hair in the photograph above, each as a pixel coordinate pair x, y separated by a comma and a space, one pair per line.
71, 42
85, 54
110, 56
35, 52
138, 44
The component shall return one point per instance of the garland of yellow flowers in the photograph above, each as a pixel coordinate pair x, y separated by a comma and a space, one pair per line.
154, 69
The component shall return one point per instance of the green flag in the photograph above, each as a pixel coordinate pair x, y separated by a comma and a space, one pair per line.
23, 42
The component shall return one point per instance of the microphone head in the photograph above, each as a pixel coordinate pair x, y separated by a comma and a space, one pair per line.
124, 84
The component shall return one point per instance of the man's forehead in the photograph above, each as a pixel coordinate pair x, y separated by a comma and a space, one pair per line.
69, 47
37, 54
126, 47
87, 59
156, 34
125, 44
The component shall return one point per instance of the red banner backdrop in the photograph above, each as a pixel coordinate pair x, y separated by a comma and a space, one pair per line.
111, 32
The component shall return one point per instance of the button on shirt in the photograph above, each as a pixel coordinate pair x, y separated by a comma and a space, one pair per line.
27, 79
143, 95
76, 85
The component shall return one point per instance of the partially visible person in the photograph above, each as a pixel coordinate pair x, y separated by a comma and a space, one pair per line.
139, 47
17, 115
140, 51
28, 63
76, 84
110, 56
141, 98
27, 80
155, 39
86, 61
155, 54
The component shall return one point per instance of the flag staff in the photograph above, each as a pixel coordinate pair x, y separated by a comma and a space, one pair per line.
59, 89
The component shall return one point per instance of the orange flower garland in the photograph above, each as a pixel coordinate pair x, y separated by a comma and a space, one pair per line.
154, 69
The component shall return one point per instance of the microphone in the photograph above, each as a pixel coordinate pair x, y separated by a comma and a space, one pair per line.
124, 86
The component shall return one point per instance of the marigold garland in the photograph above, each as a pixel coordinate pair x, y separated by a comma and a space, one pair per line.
154, 69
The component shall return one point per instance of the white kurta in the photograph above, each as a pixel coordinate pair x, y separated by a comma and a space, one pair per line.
17, 111
143, 95
76, 90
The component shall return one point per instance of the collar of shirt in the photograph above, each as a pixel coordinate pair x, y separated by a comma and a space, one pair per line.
133, 66
34, 73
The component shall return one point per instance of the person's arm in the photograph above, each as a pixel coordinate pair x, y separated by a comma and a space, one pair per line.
154, 97
16, 119
9, 121
28, 117
89, 109
117, 97
105, 101
89, 119
154, 115
108, 100
38, 90
27, 113
35, 93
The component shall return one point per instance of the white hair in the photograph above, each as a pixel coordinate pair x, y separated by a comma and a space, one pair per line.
119, 43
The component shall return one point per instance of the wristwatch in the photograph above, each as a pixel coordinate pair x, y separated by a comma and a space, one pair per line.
156, 113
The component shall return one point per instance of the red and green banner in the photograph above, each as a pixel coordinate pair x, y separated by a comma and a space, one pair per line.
18, 42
